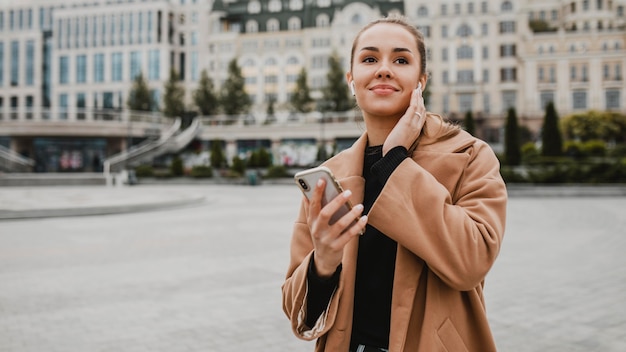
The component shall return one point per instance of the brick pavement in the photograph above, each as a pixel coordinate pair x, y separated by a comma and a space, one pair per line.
207, 277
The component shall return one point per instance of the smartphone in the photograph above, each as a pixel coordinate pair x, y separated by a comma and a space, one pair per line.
307, 180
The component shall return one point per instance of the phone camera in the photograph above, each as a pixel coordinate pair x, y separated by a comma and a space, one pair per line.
303, 184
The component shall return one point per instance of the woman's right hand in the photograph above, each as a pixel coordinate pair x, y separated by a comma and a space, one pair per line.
329, 240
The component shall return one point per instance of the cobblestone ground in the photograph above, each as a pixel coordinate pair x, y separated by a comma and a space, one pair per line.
207, 277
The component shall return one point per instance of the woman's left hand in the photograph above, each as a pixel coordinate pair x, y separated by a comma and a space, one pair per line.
410, 124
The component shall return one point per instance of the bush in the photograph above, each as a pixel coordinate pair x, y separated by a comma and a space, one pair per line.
238, 166
277, 171
530, 152
144, 171
176, 168
594, 148
201, 171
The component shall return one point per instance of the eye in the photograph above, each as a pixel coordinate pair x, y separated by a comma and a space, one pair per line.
369, 59
402, 61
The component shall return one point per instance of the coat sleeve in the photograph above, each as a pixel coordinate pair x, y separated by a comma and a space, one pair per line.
295, 289
456, 229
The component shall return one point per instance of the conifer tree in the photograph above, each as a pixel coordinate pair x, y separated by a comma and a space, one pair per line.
512, 148
174, 96
205, 97
234, 99
551, 140
301, 98
139, 97
469, 124
335, 95
218, 159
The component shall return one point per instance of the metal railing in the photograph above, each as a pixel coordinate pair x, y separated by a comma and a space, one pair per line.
11, 161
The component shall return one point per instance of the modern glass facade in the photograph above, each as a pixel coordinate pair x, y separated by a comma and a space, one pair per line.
69, 155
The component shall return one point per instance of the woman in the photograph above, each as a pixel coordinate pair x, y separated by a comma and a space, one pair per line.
435, 212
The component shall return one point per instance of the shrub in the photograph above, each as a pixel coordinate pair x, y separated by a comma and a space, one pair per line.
238, 166
530, 151
594, 148
176, 168
277, 171
201, 171
144, 171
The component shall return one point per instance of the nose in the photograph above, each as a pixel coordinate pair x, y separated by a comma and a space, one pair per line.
384, 70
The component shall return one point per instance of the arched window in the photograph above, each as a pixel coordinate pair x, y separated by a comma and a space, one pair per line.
252, 26
274, 6
506, 6
323, 3
422, 11
356, 19
248, 63
464, 31
254, 6
294, 24
464, 52
272, 25
292, 60
270, 61
322, 20
295, 5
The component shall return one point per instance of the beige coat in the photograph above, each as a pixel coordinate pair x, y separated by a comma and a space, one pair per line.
446, 209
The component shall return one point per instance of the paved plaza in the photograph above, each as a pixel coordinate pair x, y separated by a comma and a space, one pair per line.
199, 268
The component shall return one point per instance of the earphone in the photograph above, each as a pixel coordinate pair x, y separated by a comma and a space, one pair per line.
352, 88
419, 85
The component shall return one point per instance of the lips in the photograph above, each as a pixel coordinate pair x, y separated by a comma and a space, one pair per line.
383, 89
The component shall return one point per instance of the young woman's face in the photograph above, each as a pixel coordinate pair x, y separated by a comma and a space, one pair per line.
385, 70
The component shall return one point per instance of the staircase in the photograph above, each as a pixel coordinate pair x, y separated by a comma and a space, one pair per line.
11, 161
171, 141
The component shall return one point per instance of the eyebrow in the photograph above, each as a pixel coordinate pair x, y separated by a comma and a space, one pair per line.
395, 50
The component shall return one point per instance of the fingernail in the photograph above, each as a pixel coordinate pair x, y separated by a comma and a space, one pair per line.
363, 218
359, 207
320, 182
347, 194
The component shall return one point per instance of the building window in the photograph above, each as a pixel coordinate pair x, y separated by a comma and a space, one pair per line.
274, 6
154, 65
508, 74
422, 11
15, 63
135, 64
444, 54
552, 74
485, 52
466, 102
579, 99
444, 78
465, 76
30, 63
194, 66
546, 97
81, 68
1, 64
507, 50
273, 25
464, 52
98, 68
484, 7
296, 5
484, 29
64, 70
486, 103
507, 27
444, 9
464, 31
294, 24
116, 67
506, 6
612, 100
322, 21
254, 7
485, 76
509, 97
444, 31
63, 106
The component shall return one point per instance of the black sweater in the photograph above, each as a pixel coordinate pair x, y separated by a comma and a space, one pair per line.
375, 263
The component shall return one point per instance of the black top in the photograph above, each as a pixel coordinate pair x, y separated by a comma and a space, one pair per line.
375, 263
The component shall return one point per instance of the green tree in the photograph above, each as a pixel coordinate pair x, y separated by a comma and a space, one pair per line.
174, 96
205, 97
301, 98
139, 97
468, 123
335, 94
512, 148
218, 159
551, 140
607, 126
234, 99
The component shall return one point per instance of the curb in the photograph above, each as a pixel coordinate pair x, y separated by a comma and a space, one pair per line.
97, 210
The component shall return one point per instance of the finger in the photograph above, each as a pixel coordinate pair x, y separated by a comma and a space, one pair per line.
331, 208
357, 229
316, 199
349, 218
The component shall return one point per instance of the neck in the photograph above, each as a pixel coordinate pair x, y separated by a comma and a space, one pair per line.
378, 128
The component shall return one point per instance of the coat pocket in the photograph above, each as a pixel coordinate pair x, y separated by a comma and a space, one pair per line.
450, 338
